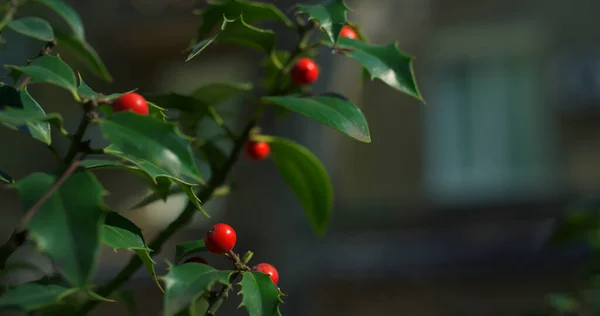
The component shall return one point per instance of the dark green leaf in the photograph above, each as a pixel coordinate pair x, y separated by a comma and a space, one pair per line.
85, 91
156, 147
120, 233
180, 102
384, 62
563, 303
85, 53
575, 226
219, 92
259, 295
253, 11
331, 16
29, 113
68, 14
341, 115
189, 191
33, 27
68, 225
187, 282
32, 296
17, 117
199, 306
161, 184
14, 74
187, 248
4, 177
236, 31
127, 298
307, 177
51, 69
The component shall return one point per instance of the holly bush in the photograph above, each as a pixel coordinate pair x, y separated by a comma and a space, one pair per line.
157, 137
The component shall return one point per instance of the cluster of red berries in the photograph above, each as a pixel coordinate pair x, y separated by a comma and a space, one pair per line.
306, 71
220, 239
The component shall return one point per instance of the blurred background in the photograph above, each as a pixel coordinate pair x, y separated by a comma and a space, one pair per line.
445, 213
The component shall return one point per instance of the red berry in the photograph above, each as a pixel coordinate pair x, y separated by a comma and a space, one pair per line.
196, 260
257, 150
348, 32
220, 239
268, 269
131, 102
305, 72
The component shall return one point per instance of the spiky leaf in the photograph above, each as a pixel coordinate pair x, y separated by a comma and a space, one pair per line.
186, 282
253, 11
331, 16
187, 248
33, 296
259, 295
236, 31
53, 70
384, 62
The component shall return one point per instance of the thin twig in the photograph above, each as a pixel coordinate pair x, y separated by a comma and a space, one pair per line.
31, 212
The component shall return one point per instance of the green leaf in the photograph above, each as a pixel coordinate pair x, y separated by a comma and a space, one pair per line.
161, 184
126, 297
180, 102
260, 296
384, 62
337, 113
253, 11
51, 69
68, 225
33, 27
17, 117
120, 233
218, 92
68, 14
575, 226
4, 177
85, 53
307, 177
84, 90
32, 296
331, 16
236, 31
187, 248
29, 113
156, 147
563, 303
186, 282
